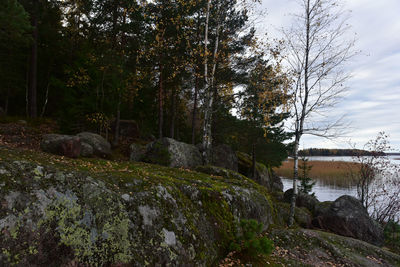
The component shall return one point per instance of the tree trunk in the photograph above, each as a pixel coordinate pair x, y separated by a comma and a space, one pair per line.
117, 122
206, 136
46, 99
295, 176
32, 91
253, 157
300, 120
209, 90
196, 89
196, 85
160, 104
6, 102
173, 113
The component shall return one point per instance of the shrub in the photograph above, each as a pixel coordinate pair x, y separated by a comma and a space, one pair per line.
249, 240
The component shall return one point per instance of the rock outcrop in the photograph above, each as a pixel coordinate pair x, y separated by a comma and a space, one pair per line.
171, 153
136, 152
100, 146
302, 200
346, 216
262, 175
223, 156
63, 145
153, 216
218, 171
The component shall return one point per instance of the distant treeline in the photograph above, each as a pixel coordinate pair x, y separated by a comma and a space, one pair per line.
335, 152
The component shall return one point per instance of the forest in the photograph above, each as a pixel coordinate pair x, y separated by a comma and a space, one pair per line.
179, 69
147, 133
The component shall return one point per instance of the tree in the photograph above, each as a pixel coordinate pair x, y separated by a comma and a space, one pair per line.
306, 183
14, 38
317, 50
378, 180
261, 99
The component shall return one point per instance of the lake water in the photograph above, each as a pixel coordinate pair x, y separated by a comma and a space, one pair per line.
393, 159
324, 192
328, 192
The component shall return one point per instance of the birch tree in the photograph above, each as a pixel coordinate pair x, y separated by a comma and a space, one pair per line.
317, 50
209, 78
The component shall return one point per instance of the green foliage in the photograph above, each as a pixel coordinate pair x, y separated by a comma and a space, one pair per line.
306, 183
14, 23
392, 235
249, 240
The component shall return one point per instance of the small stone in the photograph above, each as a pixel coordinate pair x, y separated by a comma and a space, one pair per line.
126, 197
169, 237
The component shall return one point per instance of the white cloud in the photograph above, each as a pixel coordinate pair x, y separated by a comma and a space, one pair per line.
373, 101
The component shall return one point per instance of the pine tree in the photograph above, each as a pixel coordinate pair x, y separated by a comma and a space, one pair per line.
306, 183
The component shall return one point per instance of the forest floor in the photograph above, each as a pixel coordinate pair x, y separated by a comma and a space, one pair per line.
21, 134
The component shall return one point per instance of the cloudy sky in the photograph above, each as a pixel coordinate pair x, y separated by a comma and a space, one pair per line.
373, 101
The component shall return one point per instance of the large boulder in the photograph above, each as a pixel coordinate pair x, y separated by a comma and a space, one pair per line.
136, 152
218, 171
169, 152
224, 156
155, 216
346, 216
101, 147
262, 175
302, 200
302, 216
63, 145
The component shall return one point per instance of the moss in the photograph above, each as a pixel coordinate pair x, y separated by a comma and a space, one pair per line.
112, 179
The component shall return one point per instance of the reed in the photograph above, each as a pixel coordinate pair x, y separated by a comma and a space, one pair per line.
335, 173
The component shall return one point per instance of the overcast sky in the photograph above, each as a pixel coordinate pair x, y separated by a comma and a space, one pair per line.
373, 101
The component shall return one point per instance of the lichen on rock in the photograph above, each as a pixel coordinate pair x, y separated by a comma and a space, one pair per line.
145, 215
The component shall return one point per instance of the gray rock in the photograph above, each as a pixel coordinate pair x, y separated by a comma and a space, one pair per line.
346, 216
214, 170
86, 150
101, 147
302, 216
223, 156
262, 175
136, 152
169, 152
185, 219
302, 200
63, 145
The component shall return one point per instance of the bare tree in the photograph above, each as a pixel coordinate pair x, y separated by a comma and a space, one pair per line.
378, 180
317, 48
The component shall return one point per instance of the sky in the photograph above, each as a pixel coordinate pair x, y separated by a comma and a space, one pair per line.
372, 103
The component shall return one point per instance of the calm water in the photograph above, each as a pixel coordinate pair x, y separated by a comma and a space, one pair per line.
324, 192
328, 192
393, 159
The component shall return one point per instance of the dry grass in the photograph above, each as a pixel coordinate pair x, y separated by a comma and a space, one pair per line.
327, 172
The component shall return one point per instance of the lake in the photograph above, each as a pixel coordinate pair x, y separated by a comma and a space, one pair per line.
326, 192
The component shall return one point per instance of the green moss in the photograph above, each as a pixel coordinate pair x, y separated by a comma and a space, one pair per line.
131, 178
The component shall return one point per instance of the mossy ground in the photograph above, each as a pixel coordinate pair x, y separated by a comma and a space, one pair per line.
134, 178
